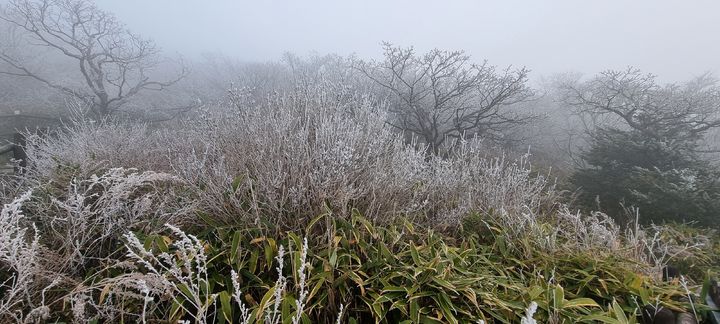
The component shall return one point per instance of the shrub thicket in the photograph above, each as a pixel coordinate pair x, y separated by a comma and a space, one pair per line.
400, 236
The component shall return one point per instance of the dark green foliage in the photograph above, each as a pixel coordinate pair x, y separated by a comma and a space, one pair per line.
403, 273
664, 178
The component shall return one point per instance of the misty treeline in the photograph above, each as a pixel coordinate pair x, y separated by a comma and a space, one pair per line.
177, 189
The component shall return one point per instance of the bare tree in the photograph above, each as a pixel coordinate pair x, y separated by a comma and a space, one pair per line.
114, 63
443, 95
630, 98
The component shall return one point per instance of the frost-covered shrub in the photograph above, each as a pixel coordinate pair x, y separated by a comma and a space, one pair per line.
89, 146
294, 154
83, 219
690, 249
67, 227
596, 230
182, 273
182, 276
288, 157
19, 264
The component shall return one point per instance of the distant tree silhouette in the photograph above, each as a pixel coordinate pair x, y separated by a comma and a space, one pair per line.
649, 157
442, 94
114, 63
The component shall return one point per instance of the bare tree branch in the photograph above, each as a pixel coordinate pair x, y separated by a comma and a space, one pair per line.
443, 95
678, 112
114, 62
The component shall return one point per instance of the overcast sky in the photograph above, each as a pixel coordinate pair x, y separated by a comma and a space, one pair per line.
675, 39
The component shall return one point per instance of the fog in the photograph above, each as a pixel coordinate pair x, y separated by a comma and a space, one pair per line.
279, 161
674, 39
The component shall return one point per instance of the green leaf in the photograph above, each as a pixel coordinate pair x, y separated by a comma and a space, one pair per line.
147, 244
619, 312
269, 253
414, 254
415, 311
378, 310
264, 302
705, 290
394, 289
185, 290
333, 259
286, 308
445, 284
446, 307
534, 292
253, 262
226, 305
558, 297
235, 247
161, 242
315, 220
580, 302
